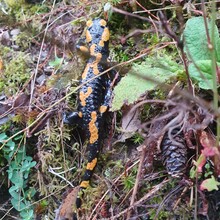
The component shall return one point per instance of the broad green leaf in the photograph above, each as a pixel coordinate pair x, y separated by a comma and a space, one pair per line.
210, 184
201, 71
195, 39
134, 84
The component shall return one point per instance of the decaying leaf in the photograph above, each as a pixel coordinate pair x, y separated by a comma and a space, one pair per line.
208, 142
130, 123
209, 184
66, 209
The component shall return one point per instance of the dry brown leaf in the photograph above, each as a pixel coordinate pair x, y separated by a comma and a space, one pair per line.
130, 123
66, 209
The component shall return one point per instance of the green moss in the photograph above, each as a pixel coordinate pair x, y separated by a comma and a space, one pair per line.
14, 4
23, 40
138, 138
15, 71
28, 15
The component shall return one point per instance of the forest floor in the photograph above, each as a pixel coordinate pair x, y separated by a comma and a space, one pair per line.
160, 157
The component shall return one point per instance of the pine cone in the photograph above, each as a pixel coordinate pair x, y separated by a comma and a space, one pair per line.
174, 154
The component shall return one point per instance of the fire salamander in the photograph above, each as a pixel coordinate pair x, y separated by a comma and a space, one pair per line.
94, 96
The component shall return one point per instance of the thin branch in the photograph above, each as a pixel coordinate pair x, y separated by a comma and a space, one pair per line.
135, 189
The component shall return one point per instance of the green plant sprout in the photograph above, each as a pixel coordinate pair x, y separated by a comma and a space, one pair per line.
18, 171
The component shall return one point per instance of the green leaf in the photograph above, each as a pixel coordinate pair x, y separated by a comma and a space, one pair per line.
17, 179
6, 149
201, 71
195, 39
56, 63
3, 137
18, 137
11, 144
14, 192
26, 166
10, 155
18, 204
10, 172
30, 193
27, 214
19, 157
217, 48
192, 172
132, 86
209, 184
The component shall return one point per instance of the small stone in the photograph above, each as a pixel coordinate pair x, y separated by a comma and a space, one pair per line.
15, 32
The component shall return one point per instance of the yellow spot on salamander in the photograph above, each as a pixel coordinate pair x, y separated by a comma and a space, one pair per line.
85, 71
103, 22
89, 23
88, 37
98, 57
95, 68
84, 184
101, 43
105, 35
102, 109
80, 114
94, 65
93, 129
91, 165
92, 50
83, 96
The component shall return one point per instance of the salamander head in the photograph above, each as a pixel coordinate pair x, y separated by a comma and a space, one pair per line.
97, 35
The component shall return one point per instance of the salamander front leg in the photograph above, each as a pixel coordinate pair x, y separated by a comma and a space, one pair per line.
81, 46
72, 118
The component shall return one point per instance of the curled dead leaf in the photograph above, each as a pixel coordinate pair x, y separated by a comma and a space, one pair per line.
66, 209
130, 123
207, 140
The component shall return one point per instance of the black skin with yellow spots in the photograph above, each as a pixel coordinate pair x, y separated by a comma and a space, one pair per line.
94, 96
